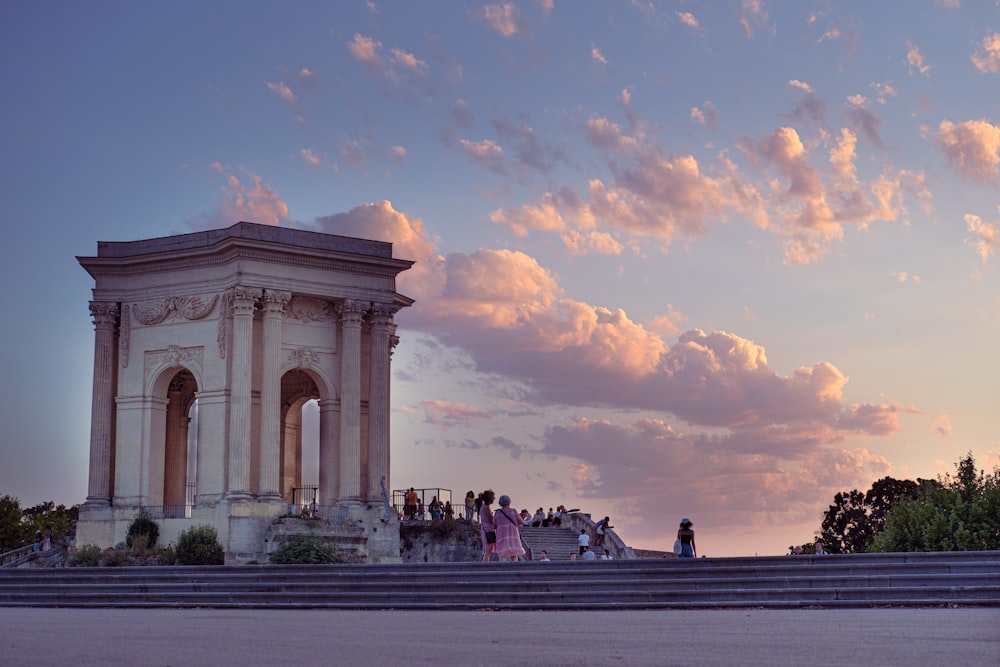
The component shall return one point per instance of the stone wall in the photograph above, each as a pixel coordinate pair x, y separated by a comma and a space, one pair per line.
439, 542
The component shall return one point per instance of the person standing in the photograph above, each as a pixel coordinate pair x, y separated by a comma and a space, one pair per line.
584, 540
507, 524
411, 504
686, 535
470, 505
487, 529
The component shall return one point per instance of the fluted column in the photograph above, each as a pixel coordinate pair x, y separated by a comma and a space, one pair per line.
351, 313
274, 303
382, 329
242, 301
105, 317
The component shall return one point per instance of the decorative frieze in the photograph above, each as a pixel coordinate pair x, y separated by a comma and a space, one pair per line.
173, 307
309, 309
173, 355
303, 357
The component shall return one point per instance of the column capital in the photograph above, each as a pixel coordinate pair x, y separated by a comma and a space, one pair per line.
243, 299
352, 310
275, 301
381, 314
104, 313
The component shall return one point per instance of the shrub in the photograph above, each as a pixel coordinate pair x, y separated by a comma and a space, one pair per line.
142, 526
115, 557
199, 545
89, 555
306, 549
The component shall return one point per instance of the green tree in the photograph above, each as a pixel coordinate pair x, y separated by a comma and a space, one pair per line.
854, 519
13, 532
960, 513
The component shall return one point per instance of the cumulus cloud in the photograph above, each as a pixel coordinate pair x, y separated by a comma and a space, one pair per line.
769, 440
811, 207
282, 91
503, 18
972, 146
597, 56
706, 115
987, 58
485, 153
985, 237
915, 59
688, 19
409, 61
449, 414
941, 426
366, 50
241, 201
753, 15
863, 120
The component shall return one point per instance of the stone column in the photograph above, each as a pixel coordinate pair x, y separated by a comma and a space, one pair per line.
378, 398
105, 316
242, 301
270, 396
329, 452
351, 314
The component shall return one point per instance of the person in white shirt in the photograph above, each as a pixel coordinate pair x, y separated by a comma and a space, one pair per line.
545, 556
607, 555
584, 540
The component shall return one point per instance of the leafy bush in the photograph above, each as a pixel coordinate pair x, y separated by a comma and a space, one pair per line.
143, 526
89, 555
199, 545
306, 549
115, 557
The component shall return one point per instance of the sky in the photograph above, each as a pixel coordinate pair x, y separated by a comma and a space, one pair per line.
707, 259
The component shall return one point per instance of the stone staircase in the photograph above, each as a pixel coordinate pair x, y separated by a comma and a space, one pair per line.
558, 542
860, 580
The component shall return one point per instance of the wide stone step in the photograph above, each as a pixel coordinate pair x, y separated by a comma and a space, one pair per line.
780, 582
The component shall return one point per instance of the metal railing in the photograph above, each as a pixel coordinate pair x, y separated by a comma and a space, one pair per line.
424, 498
166, 511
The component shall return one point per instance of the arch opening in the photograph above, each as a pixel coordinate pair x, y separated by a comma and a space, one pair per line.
300, 439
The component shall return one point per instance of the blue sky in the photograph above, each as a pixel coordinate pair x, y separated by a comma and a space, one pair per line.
706, 259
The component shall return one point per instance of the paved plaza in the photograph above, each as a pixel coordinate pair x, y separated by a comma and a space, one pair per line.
179, 637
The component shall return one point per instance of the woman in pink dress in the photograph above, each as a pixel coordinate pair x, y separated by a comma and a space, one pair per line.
506, 522
486, 529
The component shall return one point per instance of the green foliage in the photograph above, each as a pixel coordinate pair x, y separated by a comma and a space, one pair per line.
854, 519
18, 526
199, 545
13, 533
306, 549
115, 557
960, 513
144, 527
89, 555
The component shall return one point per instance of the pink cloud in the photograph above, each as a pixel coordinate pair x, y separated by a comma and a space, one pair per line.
485, 153
282, 91
237, 202
689, 19
503, 18
409, 61
597, 56
366, 50
915, 59
449, 415
987, 58
760, 441
972, 146
985, 237
753, 15
706, 115
941, 426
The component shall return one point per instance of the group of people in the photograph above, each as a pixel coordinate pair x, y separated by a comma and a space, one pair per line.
500, 530
540, 518
413, 507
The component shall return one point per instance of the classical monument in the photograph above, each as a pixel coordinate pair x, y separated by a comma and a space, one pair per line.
207, 345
